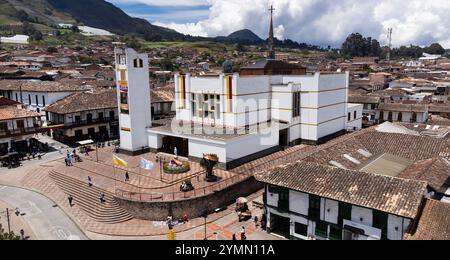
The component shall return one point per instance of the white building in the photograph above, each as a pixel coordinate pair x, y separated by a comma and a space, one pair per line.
38, 95
354, 117
329, 203
239, 117
17, 39
133, 95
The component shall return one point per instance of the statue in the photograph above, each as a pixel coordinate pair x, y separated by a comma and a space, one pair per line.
208, 162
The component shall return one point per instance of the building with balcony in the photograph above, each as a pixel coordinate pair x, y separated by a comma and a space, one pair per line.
84, 115
17, 127
371, 184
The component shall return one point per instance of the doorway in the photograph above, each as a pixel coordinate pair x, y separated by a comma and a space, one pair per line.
182, 145
284, 138
280, 225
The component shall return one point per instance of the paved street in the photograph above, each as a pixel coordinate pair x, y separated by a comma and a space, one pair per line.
46, 221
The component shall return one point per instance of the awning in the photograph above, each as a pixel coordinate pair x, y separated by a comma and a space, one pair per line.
52, 126
86, 142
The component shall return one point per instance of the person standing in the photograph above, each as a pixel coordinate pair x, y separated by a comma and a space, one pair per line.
89, 181
70, 199
175, 151
234, 237
127, 177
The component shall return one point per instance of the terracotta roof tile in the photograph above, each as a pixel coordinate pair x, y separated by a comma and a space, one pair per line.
401, 197
434, 224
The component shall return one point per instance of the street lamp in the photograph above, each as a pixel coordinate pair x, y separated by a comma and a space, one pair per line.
204, 214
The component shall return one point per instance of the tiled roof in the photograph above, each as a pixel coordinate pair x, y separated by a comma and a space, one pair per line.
163, 94
434, 224
85, 101
434, 171
444, 108
404, 107
363, 99
13, 112
41, 86
401, 197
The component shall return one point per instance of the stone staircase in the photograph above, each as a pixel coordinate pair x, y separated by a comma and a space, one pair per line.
88, 199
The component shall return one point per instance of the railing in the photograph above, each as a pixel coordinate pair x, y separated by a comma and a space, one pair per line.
87, 122
180, 195
19, 132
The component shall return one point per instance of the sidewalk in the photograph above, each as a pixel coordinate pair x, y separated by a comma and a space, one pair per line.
17, 222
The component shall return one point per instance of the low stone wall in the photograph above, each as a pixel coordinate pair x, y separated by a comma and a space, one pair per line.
159, 211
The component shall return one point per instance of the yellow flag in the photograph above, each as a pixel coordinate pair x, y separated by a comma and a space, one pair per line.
119, 162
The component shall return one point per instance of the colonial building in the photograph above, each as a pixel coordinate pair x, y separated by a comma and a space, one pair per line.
37, 95
307, 200
84, 115
17, 127
371, 184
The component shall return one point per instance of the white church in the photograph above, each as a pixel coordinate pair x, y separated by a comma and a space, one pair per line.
240, 117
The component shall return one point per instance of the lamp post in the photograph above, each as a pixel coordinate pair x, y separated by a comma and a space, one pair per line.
204, 214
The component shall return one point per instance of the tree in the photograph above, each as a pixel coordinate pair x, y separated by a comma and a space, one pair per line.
435, 48
6, 235
357, 45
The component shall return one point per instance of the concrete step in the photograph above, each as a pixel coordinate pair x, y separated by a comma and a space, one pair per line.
87, 198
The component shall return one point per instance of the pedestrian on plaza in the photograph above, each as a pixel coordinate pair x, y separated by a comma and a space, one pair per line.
70, 198
66, 160
127, 177
185, 218
243, 236
234, 237
102, 197
86, 150
256, 221
89, 181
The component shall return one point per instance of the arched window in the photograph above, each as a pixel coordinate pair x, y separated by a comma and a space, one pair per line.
138, 63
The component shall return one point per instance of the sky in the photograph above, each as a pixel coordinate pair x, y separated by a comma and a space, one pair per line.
320, 22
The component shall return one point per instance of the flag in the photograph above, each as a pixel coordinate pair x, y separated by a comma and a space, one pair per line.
119, 162
146, 164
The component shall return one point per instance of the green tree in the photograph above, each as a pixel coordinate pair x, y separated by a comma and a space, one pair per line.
6, 235
435, 48
357, 45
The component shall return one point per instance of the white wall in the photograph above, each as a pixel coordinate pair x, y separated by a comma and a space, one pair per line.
298, 202
365, 214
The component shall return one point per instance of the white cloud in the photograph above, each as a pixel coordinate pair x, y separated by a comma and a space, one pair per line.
324, 22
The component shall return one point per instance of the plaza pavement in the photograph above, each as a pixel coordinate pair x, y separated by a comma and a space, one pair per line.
220, 226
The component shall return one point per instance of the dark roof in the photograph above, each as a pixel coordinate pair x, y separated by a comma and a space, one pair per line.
401, 197
434, 224
271, 64
85, 101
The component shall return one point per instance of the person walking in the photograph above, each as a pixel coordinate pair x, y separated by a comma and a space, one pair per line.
243, 236
102, 197
127, 177
70, 199
89, 181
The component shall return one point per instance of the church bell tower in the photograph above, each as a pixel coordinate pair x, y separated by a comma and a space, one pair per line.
271, 53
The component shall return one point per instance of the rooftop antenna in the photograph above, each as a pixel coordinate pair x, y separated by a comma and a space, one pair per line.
390, 44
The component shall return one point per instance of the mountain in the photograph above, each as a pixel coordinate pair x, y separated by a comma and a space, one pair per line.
245, 35
94, 13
